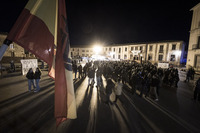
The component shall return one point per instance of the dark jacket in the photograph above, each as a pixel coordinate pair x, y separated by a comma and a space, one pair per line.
30, 75
37, 75
110, 86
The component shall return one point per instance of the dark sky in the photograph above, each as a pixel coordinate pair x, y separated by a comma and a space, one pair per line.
116, 21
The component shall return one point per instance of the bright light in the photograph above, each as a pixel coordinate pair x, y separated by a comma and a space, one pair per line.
112, 53
178, 53
97, 49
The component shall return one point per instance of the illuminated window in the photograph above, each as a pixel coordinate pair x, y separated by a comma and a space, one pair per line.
172, 58
11, 46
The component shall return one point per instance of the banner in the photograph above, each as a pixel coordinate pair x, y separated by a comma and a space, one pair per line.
163, 65
27, 64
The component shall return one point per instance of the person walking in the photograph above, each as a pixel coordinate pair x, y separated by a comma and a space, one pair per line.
80, 69
30, 77
99, 77
197, 90
37, 79
75, 69
118, 89
91, 73
109, 87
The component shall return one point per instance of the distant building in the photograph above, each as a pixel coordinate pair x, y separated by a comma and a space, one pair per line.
172, 52
193, 58
14, 51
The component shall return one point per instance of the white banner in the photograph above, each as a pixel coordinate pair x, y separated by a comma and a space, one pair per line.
136, 52
163, 65
27, 64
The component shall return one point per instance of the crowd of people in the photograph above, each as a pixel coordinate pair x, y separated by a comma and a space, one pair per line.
144, 77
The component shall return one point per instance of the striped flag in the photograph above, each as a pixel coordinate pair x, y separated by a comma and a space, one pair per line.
42, 29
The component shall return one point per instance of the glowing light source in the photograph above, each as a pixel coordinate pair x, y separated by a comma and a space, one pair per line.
97, 49
178, 53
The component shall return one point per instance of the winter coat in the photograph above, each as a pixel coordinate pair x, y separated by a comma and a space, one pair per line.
30, 75
37, 75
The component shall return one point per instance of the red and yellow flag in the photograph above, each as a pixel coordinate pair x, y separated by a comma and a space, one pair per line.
42, 29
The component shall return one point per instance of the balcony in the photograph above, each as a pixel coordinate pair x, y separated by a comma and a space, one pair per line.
161, 51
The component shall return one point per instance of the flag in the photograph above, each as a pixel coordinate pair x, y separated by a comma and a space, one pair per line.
42, 29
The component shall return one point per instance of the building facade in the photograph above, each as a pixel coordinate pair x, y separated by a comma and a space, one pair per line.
172, 52
193, 59
14, 51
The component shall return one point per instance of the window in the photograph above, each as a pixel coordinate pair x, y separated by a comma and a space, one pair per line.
150, 48
141, 48
125, 56
83, 54
161, 49
109, 49
160, 57
83, 50
119, 50
149, 57
114, 49
125, 49
131, 48
173, 46
87, 50
172, 58
113, 56
131, 56
118, 56
11, 46
198, 43
197, 62
106, 49
136, 48
12, 54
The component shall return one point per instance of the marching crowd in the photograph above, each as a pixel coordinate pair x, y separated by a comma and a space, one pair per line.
144, 77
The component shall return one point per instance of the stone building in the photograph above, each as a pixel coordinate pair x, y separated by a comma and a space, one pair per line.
14, 51
172, 52
193, 58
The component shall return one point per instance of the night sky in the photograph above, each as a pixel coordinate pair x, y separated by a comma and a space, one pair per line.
116, 21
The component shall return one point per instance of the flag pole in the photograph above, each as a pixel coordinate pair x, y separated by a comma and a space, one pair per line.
4, 47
